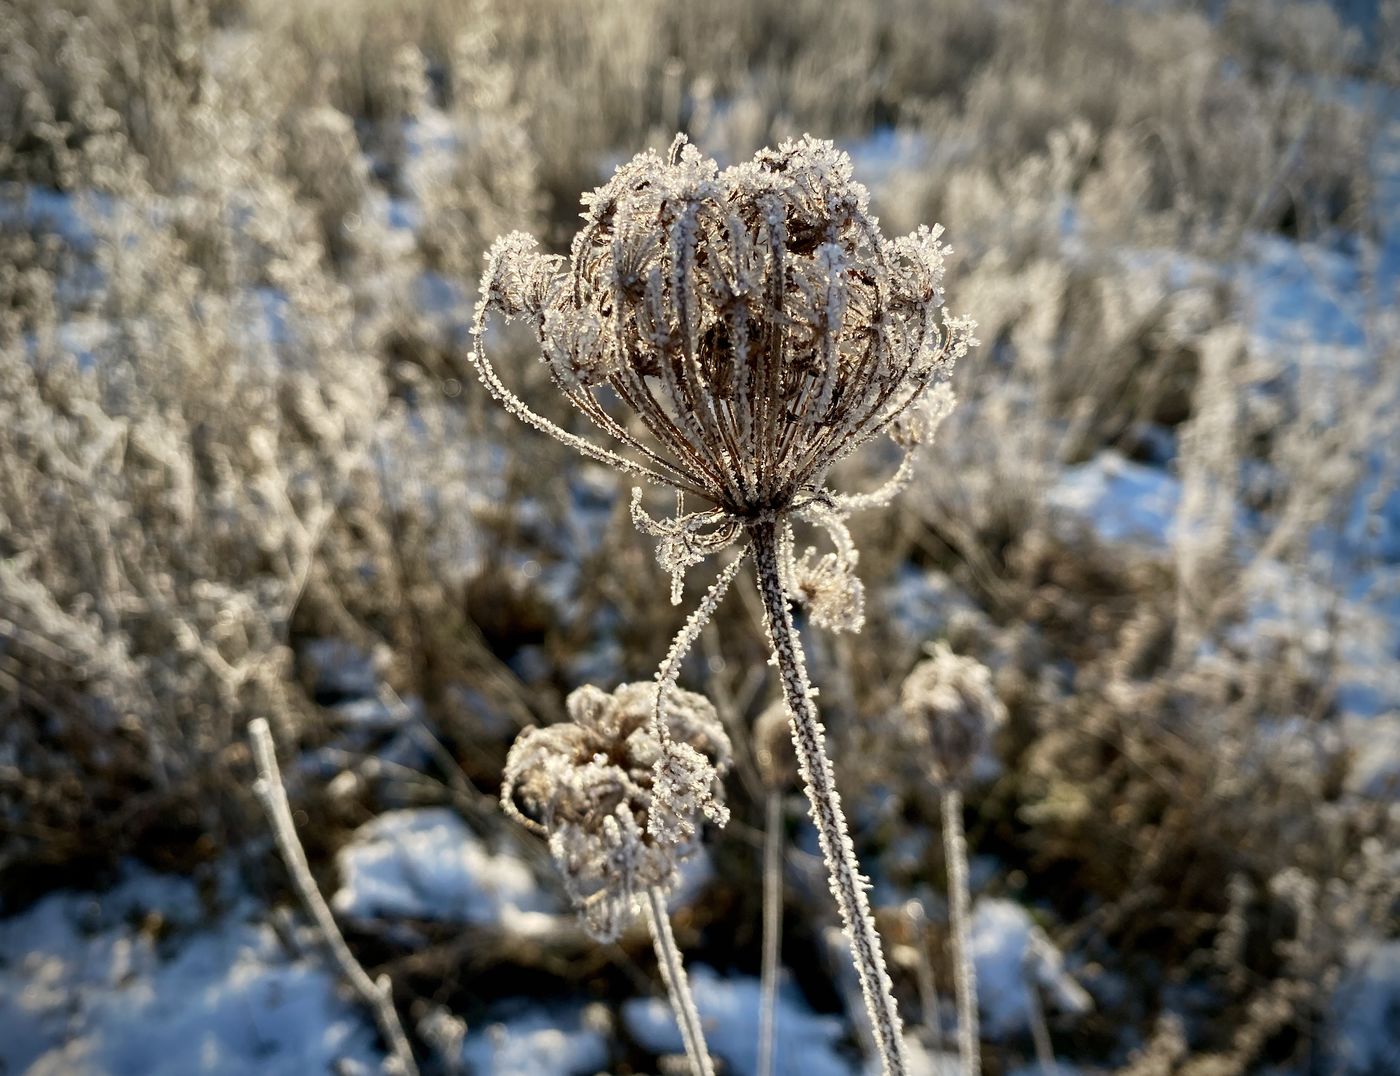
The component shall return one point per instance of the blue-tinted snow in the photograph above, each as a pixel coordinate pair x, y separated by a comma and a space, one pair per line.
141, 980
807, 1043
1010, 954
539, 1042
427, 864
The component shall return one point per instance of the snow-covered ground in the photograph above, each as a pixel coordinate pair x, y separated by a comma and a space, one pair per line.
426, 864
144, 979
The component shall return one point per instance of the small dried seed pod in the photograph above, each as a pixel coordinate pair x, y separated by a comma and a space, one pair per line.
587, 785
827, 586
951, 709
772, 740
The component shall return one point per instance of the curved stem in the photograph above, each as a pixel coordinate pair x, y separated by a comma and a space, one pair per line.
964, 973
809, 738
772, 928
677, 983
377, 993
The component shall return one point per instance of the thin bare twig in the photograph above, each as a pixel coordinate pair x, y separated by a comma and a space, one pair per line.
377, 993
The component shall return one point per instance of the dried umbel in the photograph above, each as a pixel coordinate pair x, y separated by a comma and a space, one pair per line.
736, 332
587, 786
772, 747
951, 707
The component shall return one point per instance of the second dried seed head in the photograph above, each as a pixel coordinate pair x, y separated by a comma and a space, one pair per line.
587, 786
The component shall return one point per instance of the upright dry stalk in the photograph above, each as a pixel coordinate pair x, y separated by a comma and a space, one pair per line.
377, 993
668, 956
1040, 1030
951, 710
772, 930
733, 333
959, 914
777, 765
814, 765
928, 986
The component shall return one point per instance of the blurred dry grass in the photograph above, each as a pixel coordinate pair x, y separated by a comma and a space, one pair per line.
237, 240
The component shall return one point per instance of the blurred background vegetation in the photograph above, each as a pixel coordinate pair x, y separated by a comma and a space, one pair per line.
245, 470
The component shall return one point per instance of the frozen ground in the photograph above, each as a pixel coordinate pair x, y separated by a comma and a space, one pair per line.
144, 979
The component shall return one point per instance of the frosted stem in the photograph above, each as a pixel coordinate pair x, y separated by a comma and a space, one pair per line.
772, 929
809, 738
964, 973
377, 993
677, 983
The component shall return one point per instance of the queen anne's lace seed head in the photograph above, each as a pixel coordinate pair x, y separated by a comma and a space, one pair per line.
735, 332
950, 707
587, 785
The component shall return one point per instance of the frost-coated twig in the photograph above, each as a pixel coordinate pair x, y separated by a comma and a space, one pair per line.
377, 994
772, 928
809, 739
677, 983
669, 672
964, 974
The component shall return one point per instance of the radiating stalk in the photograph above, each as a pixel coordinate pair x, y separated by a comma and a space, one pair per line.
809, 738
677, 984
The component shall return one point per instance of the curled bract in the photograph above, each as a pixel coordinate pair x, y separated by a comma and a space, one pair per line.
588, 785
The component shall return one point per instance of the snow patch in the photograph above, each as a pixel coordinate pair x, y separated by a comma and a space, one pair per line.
426, 864
806, 1043
1009, 951
1120, 500
537, 1044
127, 983
1366, 1006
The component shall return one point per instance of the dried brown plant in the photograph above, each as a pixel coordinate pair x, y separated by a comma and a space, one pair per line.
753, 327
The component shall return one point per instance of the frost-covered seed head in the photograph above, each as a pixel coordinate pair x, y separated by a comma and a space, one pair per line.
952, 710
587, 786
733, 331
